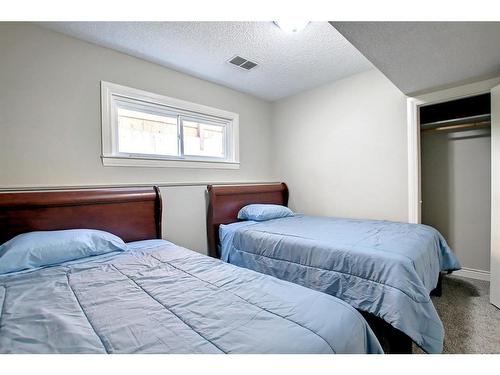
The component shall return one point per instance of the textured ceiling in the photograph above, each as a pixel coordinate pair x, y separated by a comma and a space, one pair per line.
288, 63
421, 56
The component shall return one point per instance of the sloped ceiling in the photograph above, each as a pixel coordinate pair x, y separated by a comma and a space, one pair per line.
288, 62
423, 56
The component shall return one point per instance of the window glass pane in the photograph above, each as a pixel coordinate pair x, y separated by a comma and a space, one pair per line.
144, 133
203, 139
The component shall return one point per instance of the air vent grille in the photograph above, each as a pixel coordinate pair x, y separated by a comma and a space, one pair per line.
242, 63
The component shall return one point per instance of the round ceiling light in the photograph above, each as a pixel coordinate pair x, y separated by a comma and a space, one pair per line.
291, 26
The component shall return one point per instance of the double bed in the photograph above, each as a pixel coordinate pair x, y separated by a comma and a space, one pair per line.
154, 297
386, 270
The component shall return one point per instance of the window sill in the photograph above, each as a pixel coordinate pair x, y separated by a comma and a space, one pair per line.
118, 161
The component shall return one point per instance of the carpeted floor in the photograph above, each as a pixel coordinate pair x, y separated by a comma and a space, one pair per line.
471, 323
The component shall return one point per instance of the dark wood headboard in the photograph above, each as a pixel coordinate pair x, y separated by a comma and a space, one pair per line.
224, 202
131, 213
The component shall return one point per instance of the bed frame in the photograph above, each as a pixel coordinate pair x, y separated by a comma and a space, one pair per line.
224, 204
131, 213
134, 214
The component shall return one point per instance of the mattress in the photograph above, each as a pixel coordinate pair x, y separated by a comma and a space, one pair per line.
160, 298
382, 267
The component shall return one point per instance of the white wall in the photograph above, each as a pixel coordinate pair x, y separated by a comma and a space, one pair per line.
50, 122
342, 148
184, 216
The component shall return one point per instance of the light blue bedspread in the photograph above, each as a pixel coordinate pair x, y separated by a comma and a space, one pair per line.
382, 267
160, 298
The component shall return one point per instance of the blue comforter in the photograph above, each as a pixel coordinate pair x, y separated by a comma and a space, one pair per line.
382, 267
160, 298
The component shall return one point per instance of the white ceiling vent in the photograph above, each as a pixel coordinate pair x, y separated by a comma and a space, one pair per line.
242, 63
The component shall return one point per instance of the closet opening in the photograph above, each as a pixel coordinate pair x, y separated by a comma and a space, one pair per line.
455, 146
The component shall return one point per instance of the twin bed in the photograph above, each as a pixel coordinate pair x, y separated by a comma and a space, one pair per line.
386, 270
316, 279
154, 296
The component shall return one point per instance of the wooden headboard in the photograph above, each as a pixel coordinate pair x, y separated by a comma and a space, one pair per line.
224, 202
131, 213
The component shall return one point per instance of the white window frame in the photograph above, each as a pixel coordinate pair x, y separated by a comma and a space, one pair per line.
112, 94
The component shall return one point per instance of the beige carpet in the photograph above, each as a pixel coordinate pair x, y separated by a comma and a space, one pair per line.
471, 323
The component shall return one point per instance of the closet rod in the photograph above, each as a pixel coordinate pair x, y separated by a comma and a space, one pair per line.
460, 127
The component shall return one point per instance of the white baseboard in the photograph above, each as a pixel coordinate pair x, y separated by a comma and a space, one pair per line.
472, 273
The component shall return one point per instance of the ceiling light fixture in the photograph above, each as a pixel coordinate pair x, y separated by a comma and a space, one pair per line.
291, 26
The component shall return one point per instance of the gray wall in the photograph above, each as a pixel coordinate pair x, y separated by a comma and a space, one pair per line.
456, 186
342, 148
51, 128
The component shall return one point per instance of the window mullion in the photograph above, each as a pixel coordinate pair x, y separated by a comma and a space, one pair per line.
180, 135
226, 142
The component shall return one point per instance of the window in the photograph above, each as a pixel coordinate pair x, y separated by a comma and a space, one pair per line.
144, 129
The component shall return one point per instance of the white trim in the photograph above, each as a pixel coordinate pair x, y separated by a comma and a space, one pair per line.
472, 273
414, 194
103, 186
112, 93
495, 198
413, 103
130, 161
132, 93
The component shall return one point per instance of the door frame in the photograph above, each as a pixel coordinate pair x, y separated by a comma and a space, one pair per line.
414, 156
413, 131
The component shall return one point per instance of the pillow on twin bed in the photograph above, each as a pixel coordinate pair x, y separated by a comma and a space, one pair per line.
262, 212
37, 249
